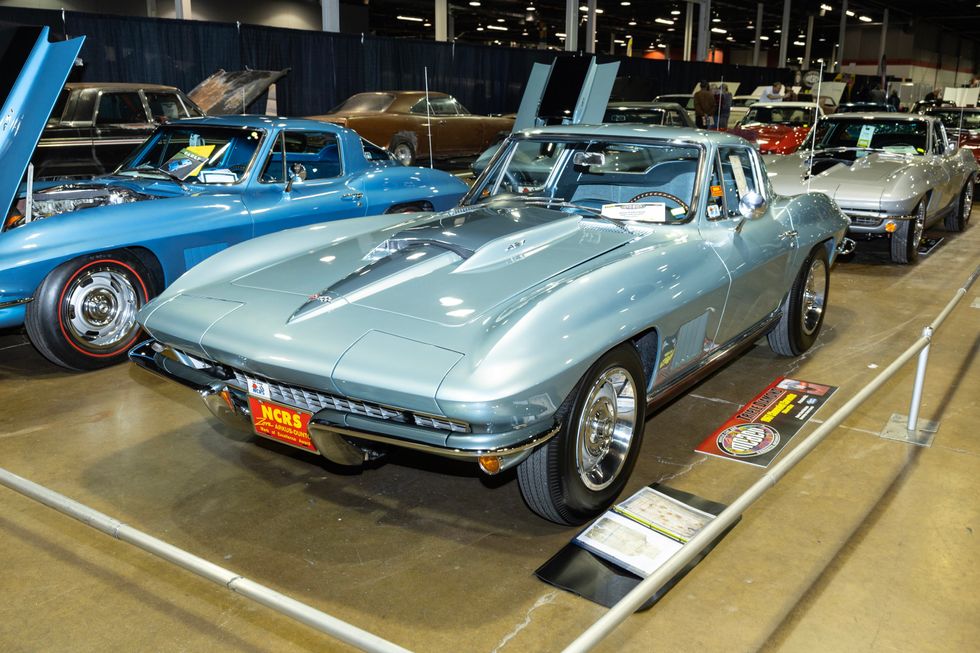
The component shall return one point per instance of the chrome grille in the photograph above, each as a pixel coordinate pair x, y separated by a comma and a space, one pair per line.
313, 401
864, 221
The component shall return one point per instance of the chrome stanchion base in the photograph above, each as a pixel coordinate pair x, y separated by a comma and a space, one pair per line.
897, 429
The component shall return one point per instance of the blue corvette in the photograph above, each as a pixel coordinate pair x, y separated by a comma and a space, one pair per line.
79, 259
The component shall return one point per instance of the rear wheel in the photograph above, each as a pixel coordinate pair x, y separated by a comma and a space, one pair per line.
907, 238
803, 308
957, 219
403, 152
580, 472
84, 312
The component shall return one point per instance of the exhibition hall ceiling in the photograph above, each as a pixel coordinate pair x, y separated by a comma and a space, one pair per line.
661, 24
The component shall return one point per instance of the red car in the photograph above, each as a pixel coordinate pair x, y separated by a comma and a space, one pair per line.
778, 127
962, 124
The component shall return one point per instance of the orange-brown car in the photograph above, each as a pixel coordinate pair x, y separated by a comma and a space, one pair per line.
399, 120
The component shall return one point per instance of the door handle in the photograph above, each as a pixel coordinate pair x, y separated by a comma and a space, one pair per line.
352, 197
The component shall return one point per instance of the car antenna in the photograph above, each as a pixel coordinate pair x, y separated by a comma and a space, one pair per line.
428, 114
813, 130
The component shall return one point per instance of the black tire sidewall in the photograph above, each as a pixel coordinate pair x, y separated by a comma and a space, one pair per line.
577, 503
46, 314
401, 141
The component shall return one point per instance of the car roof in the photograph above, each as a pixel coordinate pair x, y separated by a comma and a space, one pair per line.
119, 86
879, 115
643, 105
262, 122
621, 130
796, 105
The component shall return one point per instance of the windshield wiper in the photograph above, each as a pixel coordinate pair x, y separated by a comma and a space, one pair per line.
146, 167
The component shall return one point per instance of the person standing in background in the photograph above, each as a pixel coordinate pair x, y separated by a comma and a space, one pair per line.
876, 94
773, 93
704, 106
894, 100
724, 106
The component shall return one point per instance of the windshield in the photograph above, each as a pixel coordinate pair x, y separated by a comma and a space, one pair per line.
365, 103
631, 114
201, 154
901, 136
793, 116
952, 119
643, 182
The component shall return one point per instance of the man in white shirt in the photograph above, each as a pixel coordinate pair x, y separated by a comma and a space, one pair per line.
773, 93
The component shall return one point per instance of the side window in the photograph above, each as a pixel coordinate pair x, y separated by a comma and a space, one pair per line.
938, 138
716, 193
443, 106
59, 108
420, 107
120, 108
374, 153
311, 155
675, 119
165, 106
460, 109
737, 176
80, 110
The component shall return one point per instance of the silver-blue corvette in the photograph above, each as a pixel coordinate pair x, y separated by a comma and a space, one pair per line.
589, 273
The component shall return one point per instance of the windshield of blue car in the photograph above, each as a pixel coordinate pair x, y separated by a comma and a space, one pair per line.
958, 119
365, 103
644, 182
200, 154
898, 136
786, 115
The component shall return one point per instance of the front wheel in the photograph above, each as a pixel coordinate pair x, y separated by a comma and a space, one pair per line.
580, 472
804, 307
907, 238
84, 312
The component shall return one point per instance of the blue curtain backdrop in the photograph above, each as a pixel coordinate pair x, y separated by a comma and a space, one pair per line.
328, 68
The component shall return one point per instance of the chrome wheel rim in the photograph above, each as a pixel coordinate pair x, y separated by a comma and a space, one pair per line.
918, 225
403, 154
606, 428
101, 307
967, 201
814, 296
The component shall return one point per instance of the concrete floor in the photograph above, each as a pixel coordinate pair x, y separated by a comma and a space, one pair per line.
869, 545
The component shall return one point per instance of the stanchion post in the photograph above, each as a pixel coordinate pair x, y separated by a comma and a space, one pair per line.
920, 378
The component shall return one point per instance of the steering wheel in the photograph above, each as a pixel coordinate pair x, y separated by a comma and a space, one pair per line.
656, 193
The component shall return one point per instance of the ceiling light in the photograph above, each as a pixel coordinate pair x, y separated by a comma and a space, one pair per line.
479, 29
716, 20
718, 30
530, 7
500, 20
826, 7
675, 12
625, 3
499, 28
850, 13
729, 38
670, 29
474, 3
799, 43
631, 23
560, 35
426, 24
777, 31
821, 39
411, 18
763, 38
620, 41
663, 21
864, 19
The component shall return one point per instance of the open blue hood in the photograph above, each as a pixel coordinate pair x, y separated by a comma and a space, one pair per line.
32, 74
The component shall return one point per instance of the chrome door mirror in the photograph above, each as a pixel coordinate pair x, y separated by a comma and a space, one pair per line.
950, 147
752, 205
297, 175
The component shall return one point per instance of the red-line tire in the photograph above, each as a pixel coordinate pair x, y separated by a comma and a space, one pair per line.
83, 316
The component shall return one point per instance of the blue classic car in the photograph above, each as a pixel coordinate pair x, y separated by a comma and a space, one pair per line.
589, 272
78, 259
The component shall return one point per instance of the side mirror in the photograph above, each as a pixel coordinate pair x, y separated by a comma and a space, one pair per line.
752, 205
297, 175
950, 147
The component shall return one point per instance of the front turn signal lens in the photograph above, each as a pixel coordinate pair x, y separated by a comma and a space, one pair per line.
490, 464
891, 227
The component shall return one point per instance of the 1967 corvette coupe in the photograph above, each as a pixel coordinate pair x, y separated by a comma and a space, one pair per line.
589, 271
78, 259
893, 175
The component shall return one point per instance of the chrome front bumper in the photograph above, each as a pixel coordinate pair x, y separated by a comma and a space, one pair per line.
873, 222
330, 430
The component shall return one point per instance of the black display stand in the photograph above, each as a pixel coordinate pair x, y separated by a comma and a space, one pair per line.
576, 570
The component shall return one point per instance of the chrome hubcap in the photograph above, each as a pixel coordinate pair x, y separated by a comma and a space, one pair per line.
403, 154
101, 308
918, 226
967, 201
814, 296
605, 428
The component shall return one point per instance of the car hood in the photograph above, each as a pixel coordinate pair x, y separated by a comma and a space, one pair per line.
28, 100
450, 271
864, 179
227, 93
